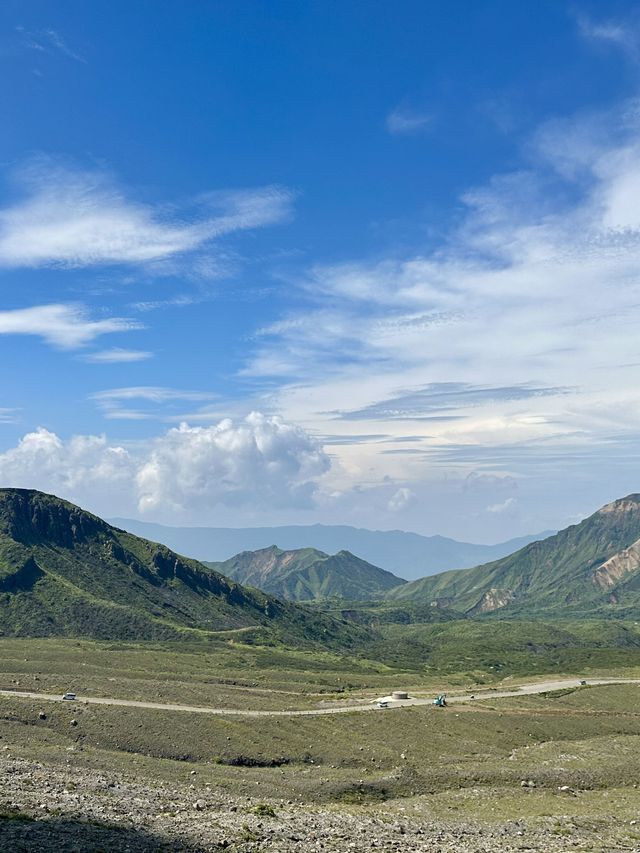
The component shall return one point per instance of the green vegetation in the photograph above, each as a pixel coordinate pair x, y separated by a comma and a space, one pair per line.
65, 572
591, 568
307, 574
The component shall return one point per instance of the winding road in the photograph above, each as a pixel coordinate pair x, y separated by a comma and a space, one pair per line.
523, 690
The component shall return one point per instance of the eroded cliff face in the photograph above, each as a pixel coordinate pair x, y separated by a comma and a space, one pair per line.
615, 568
31, 517
492, 599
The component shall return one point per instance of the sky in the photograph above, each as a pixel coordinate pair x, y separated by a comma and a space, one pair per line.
363, 263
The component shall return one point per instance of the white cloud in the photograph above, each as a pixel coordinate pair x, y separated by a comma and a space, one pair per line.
77, 219
401, 500
403, 121
259, 462
118, 355
48, 41
618, 33
503, 506
77, 467
537, 289
66, 326
111, 401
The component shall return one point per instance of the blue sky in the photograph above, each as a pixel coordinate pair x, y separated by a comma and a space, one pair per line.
361, 263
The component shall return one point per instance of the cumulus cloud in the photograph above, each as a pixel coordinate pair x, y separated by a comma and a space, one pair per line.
76, 219
68, 468
259, 462
62, 325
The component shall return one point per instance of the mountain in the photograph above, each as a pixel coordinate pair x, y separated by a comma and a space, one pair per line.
589, 567
66, 572
308, 574
408, 555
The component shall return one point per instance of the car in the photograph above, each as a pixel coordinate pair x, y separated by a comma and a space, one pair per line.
582, 683
383, 704
69, 696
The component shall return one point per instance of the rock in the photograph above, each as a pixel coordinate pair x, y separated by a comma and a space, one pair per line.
73, 723
42, 715
199, 805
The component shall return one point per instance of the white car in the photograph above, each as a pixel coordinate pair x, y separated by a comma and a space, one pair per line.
70, 696
383, 704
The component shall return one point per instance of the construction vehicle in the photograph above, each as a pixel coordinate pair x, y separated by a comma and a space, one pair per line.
440, 701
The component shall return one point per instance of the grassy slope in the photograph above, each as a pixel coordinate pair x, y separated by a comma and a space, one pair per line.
65, 572
307, 574
553, 575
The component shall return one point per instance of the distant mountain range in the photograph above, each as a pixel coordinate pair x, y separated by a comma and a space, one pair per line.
591, 567
308, 574
408, 555
65, 572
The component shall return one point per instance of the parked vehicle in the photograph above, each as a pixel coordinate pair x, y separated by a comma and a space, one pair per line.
383, 704
70, 696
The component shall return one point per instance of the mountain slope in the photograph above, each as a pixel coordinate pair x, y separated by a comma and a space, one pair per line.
66, 572
591, 566
408, 555
307, 574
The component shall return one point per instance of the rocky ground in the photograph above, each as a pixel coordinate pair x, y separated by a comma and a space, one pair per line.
69, 809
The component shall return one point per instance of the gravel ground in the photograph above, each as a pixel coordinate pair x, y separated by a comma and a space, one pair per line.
64, 810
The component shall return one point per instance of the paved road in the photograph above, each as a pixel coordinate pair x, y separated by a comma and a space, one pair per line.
526, 689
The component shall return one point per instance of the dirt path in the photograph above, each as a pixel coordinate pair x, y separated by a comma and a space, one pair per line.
526, 689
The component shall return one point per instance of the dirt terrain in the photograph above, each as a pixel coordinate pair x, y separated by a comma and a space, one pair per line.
81, 811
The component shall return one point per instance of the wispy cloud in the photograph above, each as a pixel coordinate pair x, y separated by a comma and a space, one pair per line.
77, 219
518, 331
9, 416
403, 121
507, 505
443, 398
113, 401
118, 355
622, 34
62, 325
48, 41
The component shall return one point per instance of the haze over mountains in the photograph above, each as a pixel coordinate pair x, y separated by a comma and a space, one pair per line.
593, 566
66, 572
408, 555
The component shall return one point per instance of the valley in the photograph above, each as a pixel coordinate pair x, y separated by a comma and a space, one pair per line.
95, 776
210, 715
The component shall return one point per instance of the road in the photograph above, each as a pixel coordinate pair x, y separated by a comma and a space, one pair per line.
526, 689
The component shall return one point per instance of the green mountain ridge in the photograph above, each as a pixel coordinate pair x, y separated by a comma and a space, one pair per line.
66, 572
591, 567
307, 574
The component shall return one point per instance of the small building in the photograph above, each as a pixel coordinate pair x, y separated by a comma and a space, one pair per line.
398, 695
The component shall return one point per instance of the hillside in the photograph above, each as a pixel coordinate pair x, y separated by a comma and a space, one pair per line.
66, 572
589, 567
408, 555
308, 574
